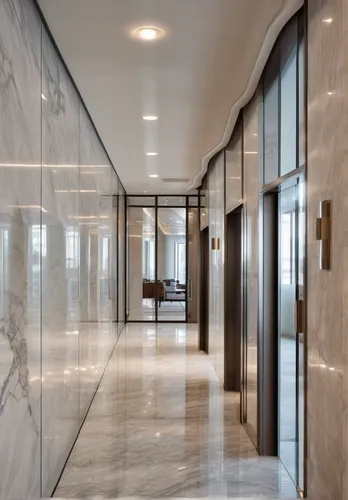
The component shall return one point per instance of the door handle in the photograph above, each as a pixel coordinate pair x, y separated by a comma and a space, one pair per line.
190, 289
299, 316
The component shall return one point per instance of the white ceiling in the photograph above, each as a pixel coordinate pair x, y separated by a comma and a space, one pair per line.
191, 78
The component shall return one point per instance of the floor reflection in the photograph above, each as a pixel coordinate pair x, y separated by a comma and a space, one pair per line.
161, 426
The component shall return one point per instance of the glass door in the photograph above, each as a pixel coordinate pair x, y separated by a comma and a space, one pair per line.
192, 253
142, 262
290, 328
171, 264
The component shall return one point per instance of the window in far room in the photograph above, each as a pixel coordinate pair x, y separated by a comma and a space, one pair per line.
180, 262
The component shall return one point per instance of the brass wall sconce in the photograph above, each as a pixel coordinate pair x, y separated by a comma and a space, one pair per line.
215, 243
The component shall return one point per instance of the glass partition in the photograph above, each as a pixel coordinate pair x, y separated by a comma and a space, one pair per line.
193, 252
290, 334
141, 279
271, 122
172, 201
171, 264
163, 244
141, 201
288, 98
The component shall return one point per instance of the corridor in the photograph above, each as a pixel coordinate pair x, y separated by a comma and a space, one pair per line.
161, 426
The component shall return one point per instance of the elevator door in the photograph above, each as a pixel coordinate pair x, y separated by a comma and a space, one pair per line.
290, 328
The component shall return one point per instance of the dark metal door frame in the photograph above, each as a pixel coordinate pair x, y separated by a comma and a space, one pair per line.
233, 300
204, 291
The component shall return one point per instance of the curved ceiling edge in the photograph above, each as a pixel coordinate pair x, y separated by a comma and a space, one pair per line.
271, 36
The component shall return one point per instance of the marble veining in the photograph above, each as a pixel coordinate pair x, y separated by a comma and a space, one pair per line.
56, 315
162, 426
20, 199
16, 384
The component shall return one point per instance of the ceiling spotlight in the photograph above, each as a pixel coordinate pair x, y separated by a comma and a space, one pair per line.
151, 154
328, 20
153, 175
150, 118
148, 33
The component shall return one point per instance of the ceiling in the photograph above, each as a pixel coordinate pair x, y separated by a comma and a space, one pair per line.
195, 79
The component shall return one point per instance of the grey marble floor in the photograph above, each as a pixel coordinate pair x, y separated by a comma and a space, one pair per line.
161, 426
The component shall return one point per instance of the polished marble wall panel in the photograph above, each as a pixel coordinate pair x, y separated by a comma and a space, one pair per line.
251, 189
58, 249
60, 306
20, 204
95, 209
216, 214
327, 178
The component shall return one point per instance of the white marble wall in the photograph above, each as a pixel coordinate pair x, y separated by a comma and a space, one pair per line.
216, 215
20, 201
58, 247
60, 152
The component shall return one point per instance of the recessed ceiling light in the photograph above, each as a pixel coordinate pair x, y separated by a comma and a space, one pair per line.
328, 20
151, 154
150, 118
153, 175
330, 93
148, 33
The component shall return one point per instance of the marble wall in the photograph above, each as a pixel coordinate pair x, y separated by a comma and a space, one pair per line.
62, 223
327, 176
20, 216
216, 217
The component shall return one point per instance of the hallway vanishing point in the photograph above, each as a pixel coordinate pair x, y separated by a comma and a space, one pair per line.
162, 426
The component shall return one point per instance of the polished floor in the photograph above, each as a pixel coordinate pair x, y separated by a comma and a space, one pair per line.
161, 426
167, 311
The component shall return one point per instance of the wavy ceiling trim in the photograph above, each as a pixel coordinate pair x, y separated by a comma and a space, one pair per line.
290, 8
